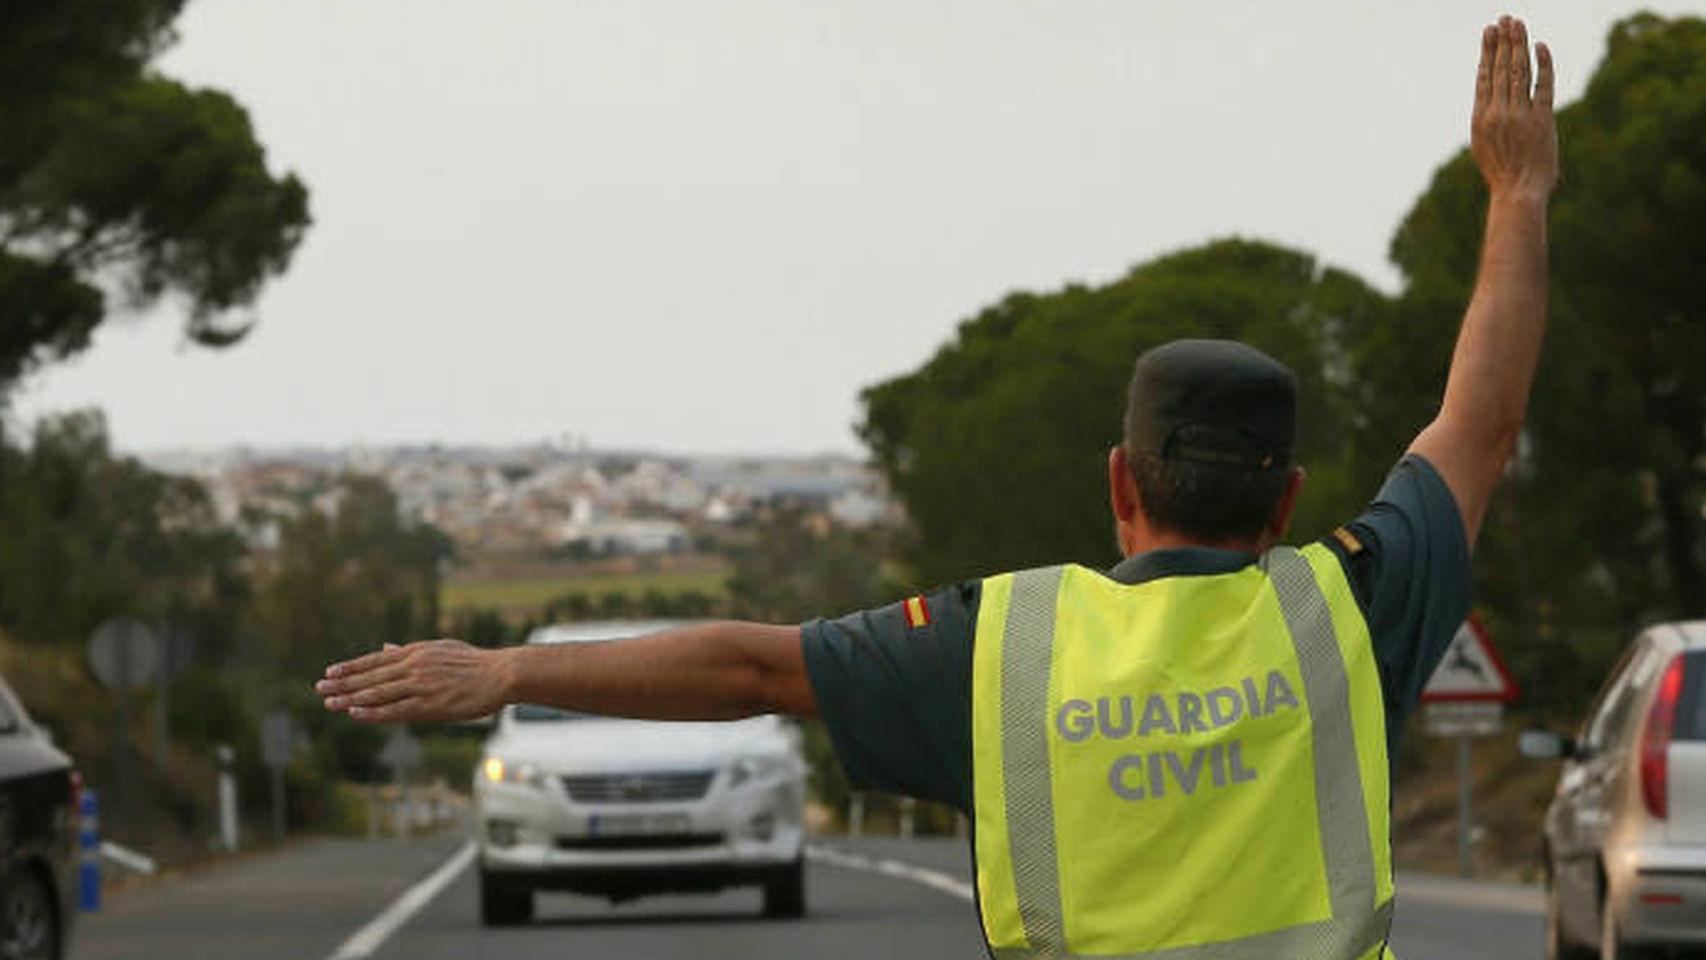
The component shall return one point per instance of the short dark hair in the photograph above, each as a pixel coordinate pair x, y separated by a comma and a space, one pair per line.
1204, 501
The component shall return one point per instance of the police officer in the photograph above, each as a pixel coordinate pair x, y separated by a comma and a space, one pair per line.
1186, 756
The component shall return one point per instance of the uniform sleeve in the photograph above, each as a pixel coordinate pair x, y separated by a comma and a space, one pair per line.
1408, 560
894, 693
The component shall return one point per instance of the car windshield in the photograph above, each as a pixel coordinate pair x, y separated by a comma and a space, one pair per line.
534, 713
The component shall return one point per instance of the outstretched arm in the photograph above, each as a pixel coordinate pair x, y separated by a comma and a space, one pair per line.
1515, 143
711, 671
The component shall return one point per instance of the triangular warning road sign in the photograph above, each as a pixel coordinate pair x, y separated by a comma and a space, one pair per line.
1470, 670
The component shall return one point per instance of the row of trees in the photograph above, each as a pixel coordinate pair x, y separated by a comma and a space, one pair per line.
89, 535
997, 443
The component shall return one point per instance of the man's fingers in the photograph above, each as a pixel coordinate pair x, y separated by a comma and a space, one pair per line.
1543, 76
385, 673
1502, 63
1519, 62
414, 708
377, 696
1484, 72
348, 668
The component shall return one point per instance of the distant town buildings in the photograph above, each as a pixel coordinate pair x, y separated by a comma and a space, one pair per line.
549, 500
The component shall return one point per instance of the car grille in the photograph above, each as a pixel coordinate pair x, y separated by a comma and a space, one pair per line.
638, 787
672, 841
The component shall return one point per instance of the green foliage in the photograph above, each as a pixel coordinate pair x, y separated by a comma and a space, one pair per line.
449, 758
207, 708
90, 535
794, 568
998, 445
113, 177
343, 583
655, 602
348, 808
827, 781
485, 628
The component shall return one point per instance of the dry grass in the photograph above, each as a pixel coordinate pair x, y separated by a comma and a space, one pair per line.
1509, 803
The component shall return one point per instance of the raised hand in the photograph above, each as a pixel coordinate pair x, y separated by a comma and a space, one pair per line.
1513, 135
430, 680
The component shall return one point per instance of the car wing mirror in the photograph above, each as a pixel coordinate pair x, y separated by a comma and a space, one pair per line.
1546, 745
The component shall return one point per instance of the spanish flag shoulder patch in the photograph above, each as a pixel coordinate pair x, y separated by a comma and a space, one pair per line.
1348, 540
917, 612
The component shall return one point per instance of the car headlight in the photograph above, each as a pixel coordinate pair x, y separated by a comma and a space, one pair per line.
757, 768
496, 770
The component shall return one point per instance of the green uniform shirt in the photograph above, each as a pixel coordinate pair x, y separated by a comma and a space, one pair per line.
896, 699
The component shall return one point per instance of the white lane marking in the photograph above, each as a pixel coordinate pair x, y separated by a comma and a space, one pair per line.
127, 858
934, 879
363, 942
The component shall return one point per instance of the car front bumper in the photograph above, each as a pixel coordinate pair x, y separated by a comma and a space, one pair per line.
733, 834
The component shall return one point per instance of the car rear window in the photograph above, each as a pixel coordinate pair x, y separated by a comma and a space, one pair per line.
1691, 709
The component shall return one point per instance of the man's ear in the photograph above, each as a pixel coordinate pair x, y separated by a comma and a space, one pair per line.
1122, 497
1281, 517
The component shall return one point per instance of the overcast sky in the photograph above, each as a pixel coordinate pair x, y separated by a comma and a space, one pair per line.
705, 225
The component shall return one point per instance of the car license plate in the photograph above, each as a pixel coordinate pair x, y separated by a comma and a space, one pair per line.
637, 824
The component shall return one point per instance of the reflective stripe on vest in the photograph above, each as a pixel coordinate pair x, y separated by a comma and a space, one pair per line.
1358, 897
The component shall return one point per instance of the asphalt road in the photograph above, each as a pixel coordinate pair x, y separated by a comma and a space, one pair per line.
851, 914
886, 898
295, 903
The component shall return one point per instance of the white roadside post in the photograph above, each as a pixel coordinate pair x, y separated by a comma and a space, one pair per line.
227, 798
1465, 698
401, 752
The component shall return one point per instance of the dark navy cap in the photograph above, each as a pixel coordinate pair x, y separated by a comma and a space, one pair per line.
1216, 402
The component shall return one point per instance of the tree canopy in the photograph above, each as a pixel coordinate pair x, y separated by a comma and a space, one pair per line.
90, 535
998, 444
119, 184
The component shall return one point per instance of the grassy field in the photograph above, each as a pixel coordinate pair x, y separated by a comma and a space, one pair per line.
530, 594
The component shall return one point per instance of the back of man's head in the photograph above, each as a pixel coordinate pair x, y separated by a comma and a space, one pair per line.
1209, 431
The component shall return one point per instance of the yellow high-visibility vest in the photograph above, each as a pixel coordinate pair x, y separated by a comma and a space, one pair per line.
1191, 768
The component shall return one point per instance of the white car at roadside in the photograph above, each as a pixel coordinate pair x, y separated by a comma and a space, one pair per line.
626, 808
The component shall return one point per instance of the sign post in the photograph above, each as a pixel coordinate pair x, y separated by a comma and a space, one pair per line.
176, 650
1465, 698
124, 655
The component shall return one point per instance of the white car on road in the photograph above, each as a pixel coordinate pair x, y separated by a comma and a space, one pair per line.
625, 808
1625, 836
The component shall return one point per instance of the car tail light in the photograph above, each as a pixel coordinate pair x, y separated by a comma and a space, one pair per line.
1655, 742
